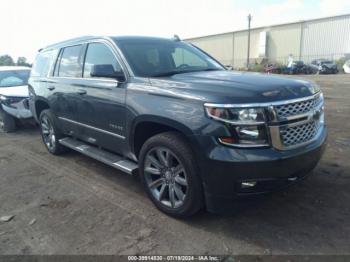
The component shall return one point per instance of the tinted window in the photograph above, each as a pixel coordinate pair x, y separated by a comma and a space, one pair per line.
10, 78
70, 63
161, 57
99, 54
43, 63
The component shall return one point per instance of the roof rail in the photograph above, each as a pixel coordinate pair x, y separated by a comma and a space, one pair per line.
68, 41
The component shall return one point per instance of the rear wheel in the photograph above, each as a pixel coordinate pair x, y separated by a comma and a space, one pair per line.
170, 176
50, 133
7, 122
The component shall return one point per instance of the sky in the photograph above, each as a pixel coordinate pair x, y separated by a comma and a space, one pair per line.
27, 25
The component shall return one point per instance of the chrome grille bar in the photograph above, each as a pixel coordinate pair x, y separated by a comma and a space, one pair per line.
304, 122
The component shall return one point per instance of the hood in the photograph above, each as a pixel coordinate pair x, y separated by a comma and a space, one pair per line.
235, 87
15, 91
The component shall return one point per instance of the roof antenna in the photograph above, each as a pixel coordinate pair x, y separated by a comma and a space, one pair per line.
176, 38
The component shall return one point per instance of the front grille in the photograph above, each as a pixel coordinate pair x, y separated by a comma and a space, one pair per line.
295, 135
300, 122
298, 108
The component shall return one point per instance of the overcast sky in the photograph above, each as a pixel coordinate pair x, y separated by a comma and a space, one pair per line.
27, 25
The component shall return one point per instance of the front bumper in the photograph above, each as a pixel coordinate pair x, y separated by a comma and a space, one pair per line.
19, 109
223, 169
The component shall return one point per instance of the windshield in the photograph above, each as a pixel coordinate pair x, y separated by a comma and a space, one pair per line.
155, 58
10, 78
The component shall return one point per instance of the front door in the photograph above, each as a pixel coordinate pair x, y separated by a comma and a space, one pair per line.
101, 105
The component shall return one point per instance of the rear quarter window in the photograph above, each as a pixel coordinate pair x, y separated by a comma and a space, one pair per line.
43, 63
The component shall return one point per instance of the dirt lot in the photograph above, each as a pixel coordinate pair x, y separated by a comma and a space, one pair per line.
74, 205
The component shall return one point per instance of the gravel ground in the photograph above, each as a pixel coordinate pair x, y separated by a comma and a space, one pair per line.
74, 205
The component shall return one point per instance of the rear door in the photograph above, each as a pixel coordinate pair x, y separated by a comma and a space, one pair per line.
101, 109
64, 86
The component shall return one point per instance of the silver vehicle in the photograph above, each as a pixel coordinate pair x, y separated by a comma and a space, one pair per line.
13, 96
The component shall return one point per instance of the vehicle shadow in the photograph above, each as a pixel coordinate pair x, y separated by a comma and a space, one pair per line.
311, 217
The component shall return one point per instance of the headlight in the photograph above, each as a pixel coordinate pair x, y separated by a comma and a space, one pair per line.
8, 101
239, 116
246, 125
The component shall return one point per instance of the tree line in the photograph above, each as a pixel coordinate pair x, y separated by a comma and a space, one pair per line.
6, 60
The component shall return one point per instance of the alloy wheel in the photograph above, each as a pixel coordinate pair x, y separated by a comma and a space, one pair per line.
166, 177
48, 133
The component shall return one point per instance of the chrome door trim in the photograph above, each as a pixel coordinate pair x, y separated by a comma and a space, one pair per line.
92, 127
88, 79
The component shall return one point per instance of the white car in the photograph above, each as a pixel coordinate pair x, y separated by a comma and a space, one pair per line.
13, 96
346, 67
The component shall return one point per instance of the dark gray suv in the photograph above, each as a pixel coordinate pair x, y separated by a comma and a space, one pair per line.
197, 134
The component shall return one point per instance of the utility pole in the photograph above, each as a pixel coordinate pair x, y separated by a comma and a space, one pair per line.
249, 20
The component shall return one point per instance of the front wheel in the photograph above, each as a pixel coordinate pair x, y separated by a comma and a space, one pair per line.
50, 133
169, 174
7, 122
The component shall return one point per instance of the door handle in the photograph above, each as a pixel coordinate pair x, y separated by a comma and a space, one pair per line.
81, 91
51, 88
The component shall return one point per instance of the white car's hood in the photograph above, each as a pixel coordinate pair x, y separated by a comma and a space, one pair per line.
17, 91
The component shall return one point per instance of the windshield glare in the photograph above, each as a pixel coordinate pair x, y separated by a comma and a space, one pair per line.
161, 58
14, 78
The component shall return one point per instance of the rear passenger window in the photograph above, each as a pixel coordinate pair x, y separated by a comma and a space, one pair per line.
99, 54
70, 63
43, 63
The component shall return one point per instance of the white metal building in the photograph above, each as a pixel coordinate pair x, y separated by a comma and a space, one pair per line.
306, 40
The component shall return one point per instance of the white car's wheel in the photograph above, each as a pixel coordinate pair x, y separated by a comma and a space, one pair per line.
7, 122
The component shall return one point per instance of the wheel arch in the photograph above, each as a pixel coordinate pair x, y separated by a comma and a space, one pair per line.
144, 127
39, 106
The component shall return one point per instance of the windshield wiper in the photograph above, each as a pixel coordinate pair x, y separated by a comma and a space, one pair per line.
170, 73
210, 69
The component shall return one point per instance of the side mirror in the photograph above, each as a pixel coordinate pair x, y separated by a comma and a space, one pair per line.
107, 71
229, 67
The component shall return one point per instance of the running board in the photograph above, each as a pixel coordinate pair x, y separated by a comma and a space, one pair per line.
104, 156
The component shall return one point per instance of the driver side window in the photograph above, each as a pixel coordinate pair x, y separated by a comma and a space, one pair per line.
183, 57
98, 54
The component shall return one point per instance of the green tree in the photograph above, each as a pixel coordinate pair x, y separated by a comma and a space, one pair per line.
6, 60
22, 61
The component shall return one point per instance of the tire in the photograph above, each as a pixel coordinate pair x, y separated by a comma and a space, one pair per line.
177, 171
7, 122
50, 133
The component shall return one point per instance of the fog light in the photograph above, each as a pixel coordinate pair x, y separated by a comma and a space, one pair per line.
248, 184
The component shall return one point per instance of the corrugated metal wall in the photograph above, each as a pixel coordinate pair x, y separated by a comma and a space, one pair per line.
329, 38
283, 41
241, 47
219, 46
322, 38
